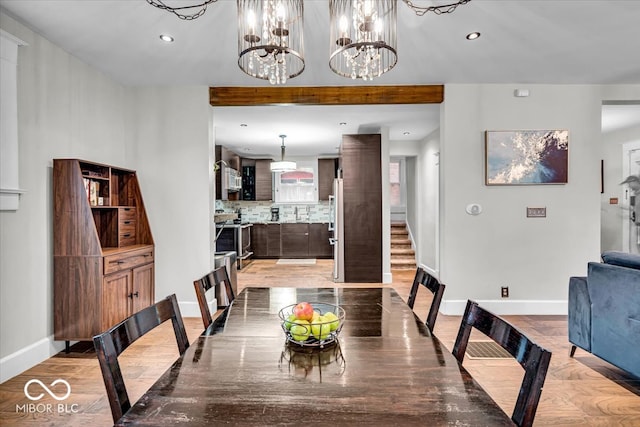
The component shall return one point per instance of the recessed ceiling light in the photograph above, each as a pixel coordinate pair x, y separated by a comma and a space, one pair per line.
343, 123
473, 36
406, 133
166, 38
243, 125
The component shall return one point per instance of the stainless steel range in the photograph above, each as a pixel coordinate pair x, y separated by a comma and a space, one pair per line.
235, 237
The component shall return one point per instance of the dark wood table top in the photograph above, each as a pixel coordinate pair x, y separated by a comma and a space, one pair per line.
386, 369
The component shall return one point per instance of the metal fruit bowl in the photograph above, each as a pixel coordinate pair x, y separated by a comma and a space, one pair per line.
321, 337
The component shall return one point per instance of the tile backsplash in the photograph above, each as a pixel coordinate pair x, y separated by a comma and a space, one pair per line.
261, 211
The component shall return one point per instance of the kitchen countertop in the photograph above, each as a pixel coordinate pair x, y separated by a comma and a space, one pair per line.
234, 225
290, 222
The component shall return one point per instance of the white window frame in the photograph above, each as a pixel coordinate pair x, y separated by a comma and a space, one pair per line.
280, 197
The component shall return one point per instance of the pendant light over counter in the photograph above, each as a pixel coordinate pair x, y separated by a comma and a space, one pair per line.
283, 165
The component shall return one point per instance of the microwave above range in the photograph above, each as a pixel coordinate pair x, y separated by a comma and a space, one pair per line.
232, 180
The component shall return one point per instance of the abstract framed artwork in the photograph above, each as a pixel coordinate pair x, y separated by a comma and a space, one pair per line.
526, 157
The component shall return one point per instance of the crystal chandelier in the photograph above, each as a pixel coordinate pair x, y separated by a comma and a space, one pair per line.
283, 165
363, 37
363, 34
270, 39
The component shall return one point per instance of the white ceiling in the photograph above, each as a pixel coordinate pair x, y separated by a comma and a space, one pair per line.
523, 42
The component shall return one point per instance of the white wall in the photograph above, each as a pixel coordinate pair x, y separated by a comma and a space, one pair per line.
427, 176
501, 247
68, 109
174, 159
65, 109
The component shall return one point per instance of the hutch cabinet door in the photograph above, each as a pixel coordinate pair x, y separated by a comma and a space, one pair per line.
143, 278
115, 298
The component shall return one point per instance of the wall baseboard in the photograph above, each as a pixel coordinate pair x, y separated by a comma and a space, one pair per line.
514, 307
33, 354
387, 278
29, 356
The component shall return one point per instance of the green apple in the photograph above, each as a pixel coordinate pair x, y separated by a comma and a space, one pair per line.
333, 319
289, 321
316, 314
300, 330
321, 329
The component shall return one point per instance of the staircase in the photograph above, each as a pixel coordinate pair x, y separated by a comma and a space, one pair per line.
403, 257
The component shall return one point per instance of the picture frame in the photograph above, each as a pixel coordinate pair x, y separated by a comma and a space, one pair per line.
526, 157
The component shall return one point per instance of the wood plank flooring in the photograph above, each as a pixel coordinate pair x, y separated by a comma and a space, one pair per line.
583, 391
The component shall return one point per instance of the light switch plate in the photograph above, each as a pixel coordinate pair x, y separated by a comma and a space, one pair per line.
536, 212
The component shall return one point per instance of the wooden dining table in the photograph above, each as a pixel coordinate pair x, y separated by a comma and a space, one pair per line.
384, 369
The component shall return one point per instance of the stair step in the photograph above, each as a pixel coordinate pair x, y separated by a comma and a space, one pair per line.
403, 263
400, 240
399, 232
402, 251
403, 260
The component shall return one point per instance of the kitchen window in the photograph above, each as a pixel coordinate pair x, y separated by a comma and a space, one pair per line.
299, 186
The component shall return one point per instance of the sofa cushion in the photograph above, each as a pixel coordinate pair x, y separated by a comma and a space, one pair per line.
623, 259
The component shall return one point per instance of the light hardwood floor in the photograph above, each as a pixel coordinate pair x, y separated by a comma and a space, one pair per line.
583, 391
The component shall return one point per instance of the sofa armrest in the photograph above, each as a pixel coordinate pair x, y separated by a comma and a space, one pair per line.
615, 314
579, 318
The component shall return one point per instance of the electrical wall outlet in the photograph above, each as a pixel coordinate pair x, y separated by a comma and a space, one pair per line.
504, 291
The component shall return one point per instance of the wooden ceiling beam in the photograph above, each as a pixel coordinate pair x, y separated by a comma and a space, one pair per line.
325, 95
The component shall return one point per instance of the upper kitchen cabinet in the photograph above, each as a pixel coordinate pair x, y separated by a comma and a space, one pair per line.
256, 179
228, 177
264, 184
326, 173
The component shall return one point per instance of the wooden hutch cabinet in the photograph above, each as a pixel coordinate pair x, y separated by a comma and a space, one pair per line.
103, 256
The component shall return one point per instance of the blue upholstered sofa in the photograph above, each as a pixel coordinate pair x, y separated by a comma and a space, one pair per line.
604, 310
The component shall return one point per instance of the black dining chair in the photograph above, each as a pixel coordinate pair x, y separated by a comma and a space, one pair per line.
435, 287
213, 279
110, 344
533, 358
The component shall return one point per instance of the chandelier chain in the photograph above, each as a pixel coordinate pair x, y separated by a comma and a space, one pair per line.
438, 10
178, 10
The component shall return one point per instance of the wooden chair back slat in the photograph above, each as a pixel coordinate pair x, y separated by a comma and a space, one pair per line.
213, 279
435, 287
110, 344
533, 358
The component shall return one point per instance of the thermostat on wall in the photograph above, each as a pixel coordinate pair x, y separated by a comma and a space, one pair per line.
474, 209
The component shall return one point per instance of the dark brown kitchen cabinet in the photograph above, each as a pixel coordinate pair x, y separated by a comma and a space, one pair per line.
260, 240
304, 240
263, 180
295, 240
319, 246
274, 236
326, 174
265, 240
256, 179
103, 251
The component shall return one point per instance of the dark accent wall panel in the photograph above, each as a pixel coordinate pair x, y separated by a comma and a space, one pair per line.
362, 179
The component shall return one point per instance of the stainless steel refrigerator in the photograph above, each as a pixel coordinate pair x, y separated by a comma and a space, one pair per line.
336, 225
